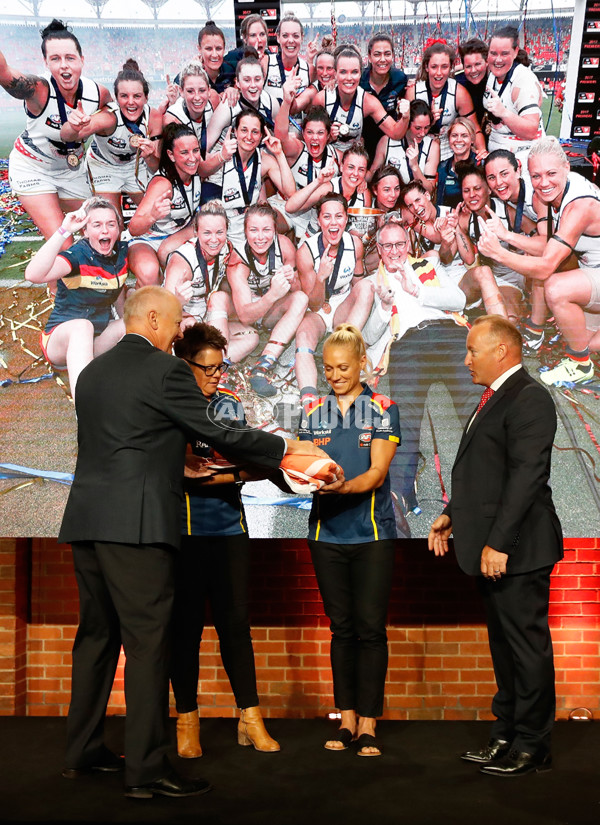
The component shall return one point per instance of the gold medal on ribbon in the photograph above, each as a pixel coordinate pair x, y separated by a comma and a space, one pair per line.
135, 140
73, 160
326, 307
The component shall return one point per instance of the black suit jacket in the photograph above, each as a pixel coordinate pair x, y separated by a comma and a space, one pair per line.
500, 491
136, 408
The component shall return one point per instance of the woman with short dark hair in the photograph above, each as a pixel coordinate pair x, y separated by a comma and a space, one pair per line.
212, 565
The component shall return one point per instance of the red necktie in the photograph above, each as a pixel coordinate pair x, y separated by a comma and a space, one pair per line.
487, 394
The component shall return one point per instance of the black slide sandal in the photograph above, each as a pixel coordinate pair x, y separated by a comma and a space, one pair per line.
344, 736
365, 740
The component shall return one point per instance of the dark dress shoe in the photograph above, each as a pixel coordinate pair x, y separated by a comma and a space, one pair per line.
170, 785
108, 762
518, 763
495, 749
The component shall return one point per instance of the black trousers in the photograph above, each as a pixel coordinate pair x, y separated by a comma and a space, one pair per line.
521, 648
417, 360
125, 597
355, 581
212, 569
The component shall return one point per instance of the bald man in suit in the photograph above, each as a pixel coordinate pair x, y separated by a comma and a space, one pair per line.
137, 407
507, 534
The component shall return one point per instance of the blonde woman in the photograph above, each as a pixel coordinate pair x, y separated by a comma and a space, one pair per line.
352, 535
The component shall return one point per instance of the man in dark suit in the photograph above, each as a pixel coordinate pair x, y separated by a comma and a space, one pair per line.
507, 533
137, 407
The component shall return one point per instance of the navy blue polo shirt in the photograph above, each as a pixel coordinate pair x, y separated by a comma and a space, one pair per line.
394, 88
388, 97
218, 510
449, 191
476, 91
355, 518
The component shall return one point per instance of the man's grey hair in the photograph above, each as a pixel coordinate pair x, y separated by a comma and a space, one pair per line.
389, 224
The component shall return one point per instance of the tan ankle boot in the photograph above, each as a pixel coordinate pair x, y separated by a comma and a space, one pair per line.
188, 735
252, 731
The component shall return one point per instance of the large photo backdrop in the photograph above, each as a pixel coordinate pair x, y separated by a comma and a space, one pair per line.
38, 434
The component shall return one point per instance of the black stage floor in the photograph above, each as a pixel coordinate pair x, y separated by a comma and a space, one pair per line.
418, 781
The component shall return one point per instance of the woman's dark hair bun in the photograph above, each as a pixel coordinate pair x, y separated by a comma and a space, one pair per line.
54, 26
56, 30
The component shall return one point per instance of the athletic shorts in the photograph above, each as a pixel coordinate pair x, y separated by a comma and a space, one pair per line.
334, 302
508, 277
196, 309
113, 178
44, 341
503, 275
151, 240
28, 177
278, 203
591, 310
455, 270
593, 276
235, 232
519, 148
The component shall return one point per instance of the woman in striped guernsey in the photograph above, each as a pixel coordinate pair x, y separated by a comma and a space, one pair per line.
253, 97
351, 183
503, 174
92, 275
195, 274
573, 295
44, 171
348, 104
324, 69
352, 534
307, 155
501, 287
330, 266
265, 289
122, 150
278, 67
243, 176
431, 230
446, 99
195, 109
323, 72
417, 154
513, 97
163, 220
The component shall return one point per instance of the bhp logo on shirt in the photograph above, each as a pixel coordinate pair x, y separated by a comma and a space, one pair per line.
321, 442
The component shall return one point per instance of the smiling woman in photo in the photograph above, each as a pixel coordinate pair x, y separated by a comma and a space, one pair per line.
46, 172
91, 275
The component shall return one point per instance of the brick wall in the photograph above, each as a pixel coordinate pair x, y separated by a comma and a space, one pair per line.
439, 664
14, 576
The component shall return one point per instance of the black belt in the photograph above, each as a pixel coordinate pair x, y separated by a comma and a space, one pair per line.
434, 322
437, 322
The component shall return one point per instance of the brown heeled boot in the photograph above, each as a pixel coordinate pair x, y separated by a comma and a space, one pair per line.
252, 731
188, 735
